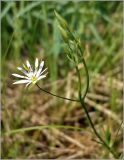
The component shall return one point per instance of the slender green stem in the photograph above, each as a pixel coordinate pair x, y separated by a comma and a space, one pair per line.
42, 127
87, 76
95, 131
8, 46
56, 95
79, 77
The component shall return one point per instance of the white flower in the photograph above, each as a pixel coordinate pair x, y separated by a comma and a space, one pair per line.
31, 76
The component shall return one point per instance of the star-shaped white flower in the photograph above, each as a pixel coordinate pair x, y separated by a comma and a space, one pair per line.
31, 76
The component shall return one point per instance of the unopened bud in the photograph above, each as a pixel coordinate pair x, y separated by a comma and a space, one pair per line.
64, 34
61, 20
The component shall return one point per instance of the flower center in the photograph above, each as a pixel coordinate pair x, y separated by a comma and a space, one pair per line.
33, 78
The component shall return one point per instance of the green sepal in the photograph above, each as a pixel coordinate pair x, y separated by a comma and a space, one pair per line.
25, 67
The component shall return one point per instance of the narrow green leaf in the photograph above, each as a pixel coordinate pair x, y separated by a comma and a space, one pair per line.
28, 8
6, 9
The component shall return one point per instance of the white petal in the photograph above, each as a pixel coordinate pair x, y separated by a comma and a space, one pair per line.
40, 68
43, 71
36, 66
22, 70
19, 76
30, 74
41, 65
39, 72
28, 65
19, 68
41, 77
36, 63
28, 84
22, 81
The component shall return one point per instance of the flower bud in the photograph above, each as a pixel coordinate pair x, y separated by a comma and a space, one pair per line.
61, 20
64, 34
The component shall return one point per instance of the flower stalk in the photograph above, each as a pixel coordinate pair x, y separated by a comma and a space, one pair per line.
55, 95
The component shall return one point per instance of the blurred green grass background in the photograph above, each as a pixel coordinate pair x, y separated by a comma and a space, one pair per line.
29, 30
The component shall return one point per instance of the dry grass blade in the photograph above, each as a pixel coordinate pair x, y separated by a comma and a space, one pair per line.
68, 138
104, 110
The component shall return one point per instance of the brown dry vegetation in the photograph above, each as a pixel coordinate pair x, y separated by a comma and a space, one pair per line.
38, 108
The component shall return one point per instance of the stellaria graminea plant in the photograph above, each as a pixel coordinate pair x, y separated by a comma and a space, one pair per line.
74, 54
